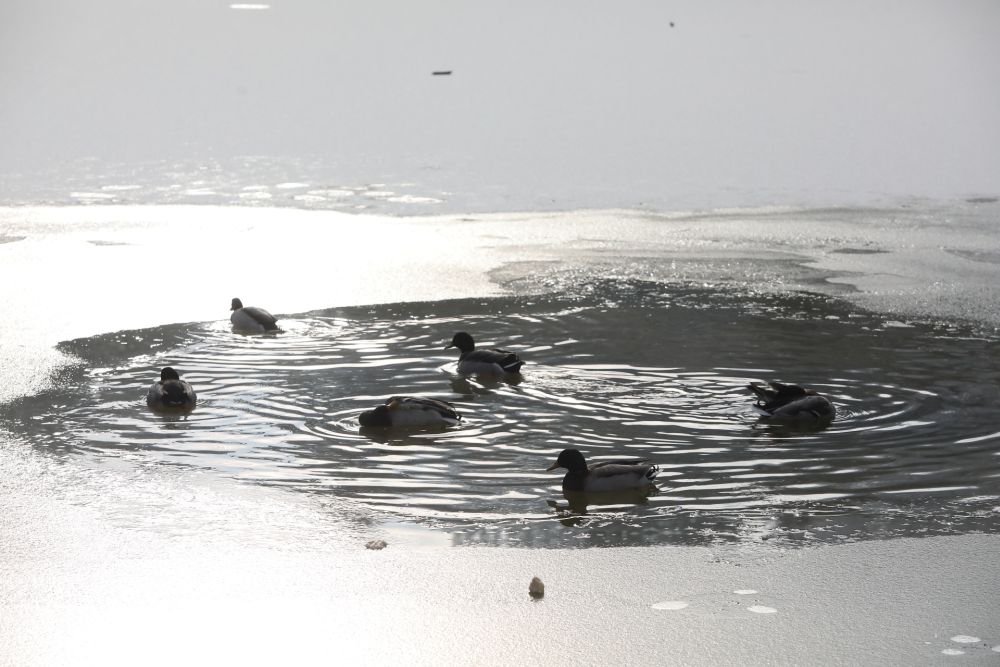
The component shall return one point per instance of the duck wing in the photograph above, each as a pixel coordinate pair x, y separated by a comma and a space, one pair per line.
809, 408
775, 394
261, 317
612, 476
505, 359
618, 462
423, 403
489, 361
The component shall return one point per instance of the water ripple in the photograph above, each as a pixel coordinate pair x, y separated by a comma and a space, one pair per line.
915, 427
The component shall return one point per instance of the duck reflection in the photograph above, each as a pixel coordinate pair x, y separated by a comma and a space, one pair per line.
578, 503
387, 435
482, 384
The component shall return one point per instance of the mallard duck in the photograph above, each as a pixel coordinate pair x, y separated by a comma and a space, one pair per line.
603, 476
791, 404
251, 319
411, 411
170, 392
473, 361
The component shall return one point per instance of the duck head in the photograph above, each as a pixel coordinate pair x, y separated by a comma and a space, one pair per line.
377, 417
794, 392
571, 459
463, 342
169, 373
236, 304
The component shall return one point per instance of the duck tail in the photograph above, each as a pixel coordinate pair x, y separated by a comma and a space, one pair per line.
174, 394
448, 413
511, 364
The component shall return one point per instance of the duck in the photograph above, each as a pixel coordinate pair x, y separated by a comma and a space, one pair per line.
170, 392
251, 319
790, 404
483, 361
604, 476
411, 411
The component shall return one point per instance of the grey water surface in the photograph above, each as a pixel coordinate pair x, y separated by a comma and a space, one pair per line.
615, 368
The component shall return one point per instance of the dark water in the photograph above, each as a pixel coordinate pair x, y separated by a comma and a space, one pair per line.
615, 368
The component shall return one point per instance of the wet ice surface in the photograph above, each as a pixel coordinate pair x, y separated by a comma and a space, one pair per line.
671, 605
761, 609
713, 603
238, 181
98, 525
615, 368
972, 648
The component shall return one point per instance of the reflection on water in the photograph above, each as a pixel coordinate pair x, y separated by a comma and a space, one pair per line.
617, 370
238, 181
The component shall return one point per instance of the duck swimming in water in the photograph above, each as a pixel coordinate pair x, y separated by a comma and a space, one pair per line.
603, 476
483, 361
411, 411
791, 404
170, 392
251, 319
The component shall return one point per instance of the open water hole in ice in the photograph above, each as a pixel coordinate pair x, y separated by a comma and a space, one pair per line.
617, 369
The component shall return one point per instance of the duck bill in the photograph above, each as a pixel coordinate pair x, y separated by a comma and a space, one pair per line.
552, 467
448, 347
